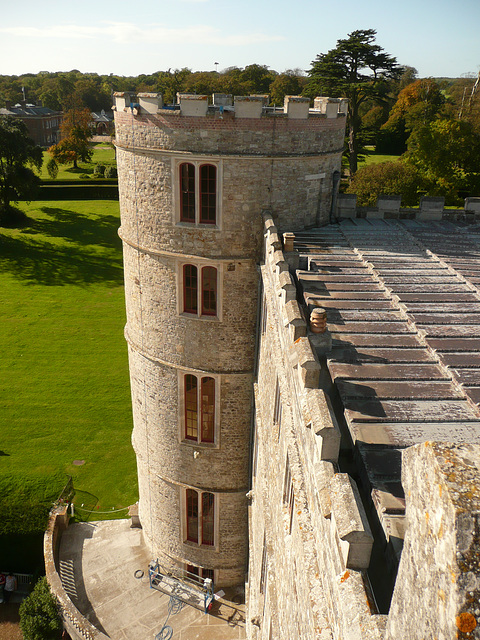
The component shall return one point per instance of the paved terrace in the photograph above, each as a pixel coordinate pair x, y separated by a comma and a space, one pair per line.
97, 564
403, 308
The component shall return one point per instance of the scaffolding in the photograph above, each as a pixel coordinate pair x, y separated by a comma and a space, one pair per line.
182, 585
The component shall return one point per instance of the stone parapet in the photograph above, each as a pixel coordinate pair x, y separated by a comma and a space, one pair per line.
308, 518
439, 574
389, 208
244, 107
77, 625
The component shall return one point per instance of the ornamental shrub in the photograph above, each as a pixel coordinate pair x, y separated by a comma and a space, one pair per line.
39, 617
388, 179
99, 170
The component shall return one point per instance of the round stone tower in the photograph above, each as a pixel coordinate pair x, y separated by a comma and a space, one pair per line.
193, 183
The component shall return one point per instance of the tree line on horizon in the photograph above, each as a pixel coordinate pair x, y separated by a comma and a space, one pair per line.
433, 124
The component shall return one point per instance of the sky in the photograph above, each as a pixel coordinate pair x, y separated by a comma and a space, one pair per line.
440, 38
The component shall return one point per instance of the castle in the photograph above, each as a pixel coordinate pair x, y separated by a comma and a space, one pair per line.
280, 365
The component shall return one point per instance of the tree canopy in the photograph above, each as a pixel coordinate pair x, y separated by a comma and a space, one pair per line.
446, 151
18, 153
389, 179
76, 134
356, 69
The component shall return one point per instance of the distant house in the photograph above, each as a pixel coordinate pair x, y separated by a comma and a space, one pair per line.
43, 123
102, 122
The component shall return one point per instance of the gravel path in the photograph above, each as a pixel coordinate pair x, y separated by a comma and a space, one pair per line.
9, 627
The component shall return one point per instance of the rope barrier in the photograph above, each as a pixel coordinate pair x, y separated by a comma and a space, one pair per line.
102, 512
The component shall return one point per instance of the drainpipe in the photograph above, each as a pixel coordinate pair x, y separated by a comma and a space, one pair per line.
335, 182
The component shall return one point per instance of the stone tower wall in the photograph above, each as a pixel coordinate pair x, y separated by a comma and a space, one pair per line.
281, 164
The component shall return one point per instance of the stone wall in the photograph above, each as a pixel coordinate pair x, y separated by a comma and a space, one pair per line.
78, 627
308, 549
389, 208
437, 593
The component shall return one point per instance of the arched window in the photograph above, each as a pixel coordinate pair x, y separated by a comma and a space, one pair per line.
191, 407
199, 418
190, 288
197, 186
192, 515
187, 192
208, 194
200, 298
200, 517
208, 410
208, 518
209, 291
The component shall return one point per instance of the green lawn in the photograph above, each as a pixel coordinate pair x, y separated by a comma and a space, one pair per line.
64, 392
375, 158
102, 153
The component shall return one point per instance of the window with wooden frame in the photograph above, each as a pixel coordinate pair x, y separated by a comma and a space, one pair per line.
200, 289
198, 574
198, 193
200, 517
199, 408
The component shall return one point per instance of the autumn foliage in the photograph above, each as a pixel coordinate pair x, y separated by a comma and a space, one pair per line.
76, 134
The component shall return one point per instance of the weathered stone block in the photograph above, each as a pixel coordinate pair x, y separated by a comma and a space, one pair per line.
321, 419
193, 105
439, 574
296, 107
350, 522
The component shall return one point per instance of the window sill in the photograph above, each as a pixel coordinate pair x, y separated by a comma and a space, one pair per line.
193, 316
197, 545
197, 225
200, 445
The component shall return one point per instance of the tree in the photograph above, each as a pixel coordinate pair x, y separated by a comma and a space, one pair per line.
356, 69
18, 153
76, 134
39, 618
446, 151
289, 83
386, 178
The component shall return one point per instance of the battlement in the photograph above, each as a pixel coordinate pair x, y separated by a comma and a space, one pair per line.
389, 208
324, 521
253, 106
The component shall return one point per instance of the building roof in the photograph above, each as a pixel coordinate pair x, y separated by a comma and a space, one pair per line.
27, 110
102, 116
403, 308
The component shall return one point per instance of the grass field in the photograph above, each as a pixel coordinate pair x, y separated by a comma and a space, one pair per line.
64, 392
375, 158
102, 153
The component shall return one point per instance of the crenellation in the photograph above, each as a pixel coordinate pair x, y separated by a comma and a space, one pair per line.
389, 207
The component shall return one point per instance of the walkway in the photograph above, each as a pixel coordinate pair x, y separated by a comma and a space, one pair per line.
98, 561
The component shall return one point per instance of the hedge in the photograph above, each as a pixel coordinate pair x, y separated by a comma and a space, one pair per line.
87, 191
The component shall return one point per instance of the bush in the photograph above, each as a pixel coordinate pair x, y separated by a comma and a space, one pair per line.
99, 170
110, 172
52, 168
389, 179
24, 507
39, 617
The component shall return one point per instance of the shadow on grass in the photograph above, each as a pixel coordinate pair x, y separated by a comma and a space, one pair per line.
77, 227
38, 261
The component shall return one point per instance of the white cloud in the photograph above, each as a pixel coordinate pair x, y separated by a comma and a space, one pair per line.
128, 33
